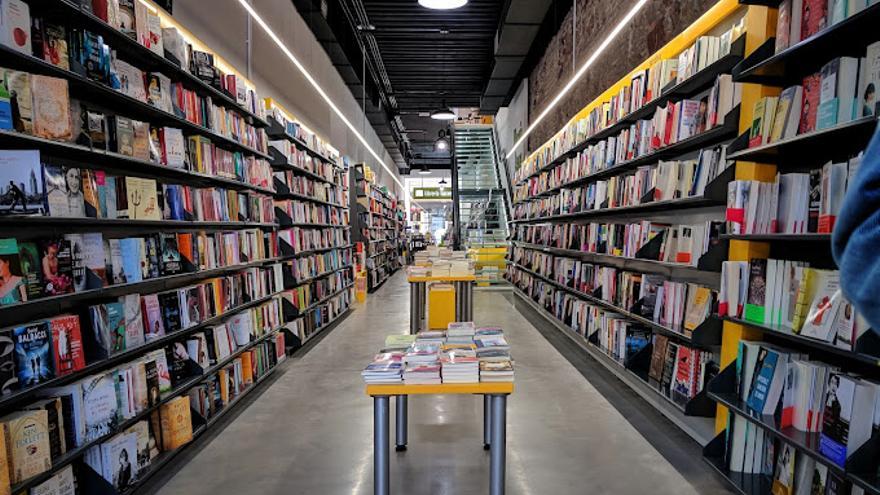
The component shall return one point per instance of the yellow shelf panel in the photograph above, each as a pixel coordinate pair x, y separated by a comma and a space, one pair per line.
442, 389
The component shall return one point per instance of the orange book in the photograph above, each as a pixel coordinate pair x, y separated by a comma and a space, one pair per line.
247, 370
176, 423
224, 387
185, 248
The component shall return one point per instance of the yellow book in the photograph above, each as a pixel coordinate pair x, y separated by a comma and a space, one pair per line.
176, 423
26, 434
699, 298
780, 119
224, 386
806, 292
247, 364
4, 468
143, 203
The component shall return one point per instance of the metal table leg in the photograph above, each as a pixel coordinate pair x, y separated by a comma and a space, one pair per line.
381, 470
469, 301
413, 308
401, 423
423, 299
487, 422
499, 445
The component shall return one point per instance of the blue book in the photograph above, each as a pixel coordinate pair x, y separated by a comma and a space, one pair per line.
130, 249
763, 379
33, 354
827, 115
5, 106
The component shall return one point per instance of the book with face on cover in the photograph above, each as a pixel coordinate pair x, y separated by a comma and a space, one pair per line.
152, 316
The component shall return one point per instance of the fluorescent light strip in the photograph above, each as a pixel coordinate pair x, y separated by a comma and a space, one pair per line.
319, 89
598, 52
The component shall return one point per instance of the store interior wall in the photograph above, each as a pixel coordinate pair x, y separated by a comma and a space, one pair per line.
223, 25
585, 26
510, 122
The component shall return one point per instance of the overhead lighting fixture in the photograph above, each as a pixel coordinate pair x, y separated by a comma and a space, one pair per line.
443, 113
443, 4
259, 20
443, 181
425, 170
441, 144
574, 79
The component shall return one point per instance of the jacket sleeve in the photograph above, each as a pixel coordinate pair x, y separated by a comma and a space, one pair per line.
855, 242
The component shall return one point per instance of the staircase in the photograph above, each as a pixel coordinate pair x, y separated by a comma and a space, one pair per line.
482, 195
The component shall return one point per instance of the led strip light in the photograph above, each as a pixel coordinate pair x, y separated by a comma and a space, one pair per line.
596, 53
256, 17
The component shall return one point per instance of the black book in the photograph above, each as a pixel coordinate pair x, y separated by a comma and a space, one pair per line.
53, 408
68, 418
177, 358
152, 374
8, 377
153, 266
170, 262
668, 368
170, 304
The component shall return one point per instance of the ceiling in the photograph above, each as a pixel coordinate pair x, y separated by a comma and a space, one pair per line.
419, 59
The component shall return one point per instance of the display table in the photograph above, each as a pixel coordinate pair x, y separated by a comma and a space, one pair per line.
464, 298
494, 425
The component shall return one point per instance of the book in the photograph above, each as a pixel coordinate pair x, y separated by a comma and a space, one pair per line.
869, 82
142, 200
8, 374
152, 314
100, 413
810, 103
15, 25
93, 260
823, 304
13, 284
131, 80
54, 422
754, 308
120, 136
77, 256
178, 362
67, 346
131, 252
847, 421
6, 118
833, 189
814, 17
108, 329
51, 108
61, 483
33, 353
134, 321
176, 423
19, 85
170, 256
783, 26
56, 264
783, 479
170, 304
119, 460
26, 434
55, 47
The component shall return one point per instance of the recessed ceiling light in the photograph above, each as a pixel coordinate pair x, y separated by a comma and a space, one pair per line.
443, 4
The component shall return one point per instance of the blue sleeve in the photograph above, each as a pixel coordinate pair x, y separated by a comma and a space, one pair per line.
855, 242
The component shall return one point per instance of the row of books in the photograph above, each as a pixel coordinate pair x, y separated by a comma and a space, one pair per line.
35, 188
213, 396
679, 306
320, 316
843, 91
308, 212
306, 267
310, 238
305, 186
302, 159
679, 243
795, 203
793, 297
809, 396
460, 354
676, 370
798, 20
81, 262
299, 131
314, 290
666, 181
84, 53
644, 87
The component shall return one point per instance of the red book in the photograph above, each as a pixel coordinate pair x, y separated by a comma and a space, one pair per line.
99, 8
67, 345
814, 17
810, 105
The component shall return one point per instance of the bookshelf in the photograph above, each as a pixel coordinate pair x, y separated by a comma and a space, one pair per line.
377, 226
563, 168
248, 257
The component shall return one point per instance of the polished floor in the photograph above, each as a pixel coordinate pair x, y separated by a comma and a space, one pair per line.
310, 430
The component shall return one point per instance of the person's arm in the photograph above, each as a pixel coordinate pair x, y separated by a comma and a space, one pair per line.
856, 239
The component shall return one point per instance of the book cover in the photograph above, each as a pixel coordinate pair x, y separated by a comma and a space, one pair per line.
833, 189
126, 18
100, 411
33, 353
78, 263
90, 194
810, 103
55, 185
57, 266
26, 434
754, 309
755, 136
783, 26
171, 263
131, 80
119, 460
783, 479
152, 314
152, 256
143, 203
121, 135
176, 423
55, 47
682, 389
814, 17
170, 304
762, 379
145, 439
814, 204
870, 82
164, 376
823, 306
19, 86
51, 108
140, 140
845, 416
55, 423
13, 284
6, 118
15, 25
178, 362
8, 375
67, 344
93, 260
108, 327
151, 374
700, 299
130, 252
134, 321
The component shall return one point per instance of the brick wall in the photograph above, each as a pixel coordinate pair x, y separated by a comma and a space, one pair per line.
657, 23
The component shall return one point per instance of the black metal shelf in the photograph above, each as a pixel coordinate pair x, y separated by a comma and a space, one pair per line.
848, 37
744, 483
116, 101
279, 162
299, 313
698, 82
717, 134
298, 283
810, 237
290, 195
115, 162
144, 59
276, 131
707, 335
28, 226
809, 149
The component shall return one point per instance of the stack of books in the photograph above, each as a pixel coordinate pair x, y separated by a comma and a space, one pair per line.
493, 354
385, 368
431, 337
422, 366
460, 333
459, 364
398, 342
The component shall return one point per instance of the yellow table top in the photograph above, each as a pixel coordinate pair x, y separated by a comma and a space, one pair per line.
442, 389
443, 278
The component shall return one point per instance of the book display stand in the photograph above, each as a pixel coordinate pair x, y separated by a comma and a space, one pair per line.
378, 224
289, 287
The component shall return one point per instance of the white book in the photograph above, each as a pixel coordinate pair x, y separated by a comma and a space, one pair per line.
797, 7
847, 89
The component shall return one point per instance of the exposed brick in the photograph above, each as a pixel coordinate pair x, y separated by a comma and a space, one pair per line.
654, 26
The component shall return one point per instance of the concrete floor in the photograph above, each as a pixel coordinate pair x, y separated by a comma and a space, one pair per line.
310, 432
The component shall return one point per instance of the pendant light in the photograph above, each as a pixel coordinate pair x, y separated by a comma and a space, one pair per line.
443, 4
441, 144
444, 113
425, 170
